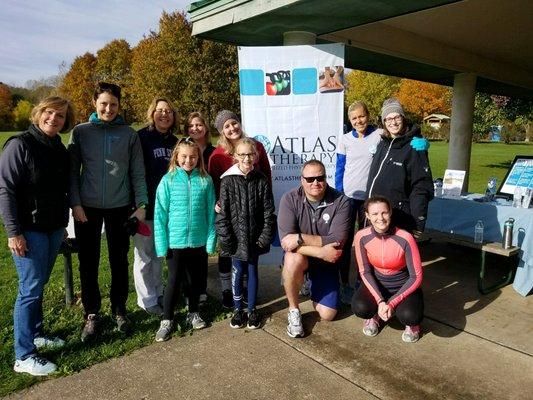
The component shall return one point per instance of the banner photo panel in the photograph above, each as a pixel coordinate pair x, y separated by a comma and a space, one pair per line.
292, 102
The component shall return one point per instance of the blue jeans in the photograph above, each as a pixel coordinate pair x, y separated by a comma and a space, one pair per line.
239, 268
34, 271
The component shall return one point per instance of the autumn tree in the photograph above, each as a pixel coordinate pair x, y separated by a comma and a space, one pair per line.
194, 73
78, 85
421, 99
22, 114
113, 65
371, 88
6, 106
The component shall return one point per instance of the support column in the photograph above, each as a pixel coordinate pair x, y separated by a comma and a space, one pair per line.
464, 89
293, 38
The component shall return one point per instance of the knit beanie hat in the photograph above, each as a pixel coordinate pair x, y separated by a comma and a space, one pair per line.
390, 106
223, 116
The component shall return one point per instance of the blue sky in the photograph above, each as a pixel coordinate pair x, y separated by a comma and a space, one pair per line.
36, 36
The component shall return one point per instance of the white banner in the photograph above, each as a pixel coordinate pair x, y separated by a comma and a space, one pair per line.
292, 102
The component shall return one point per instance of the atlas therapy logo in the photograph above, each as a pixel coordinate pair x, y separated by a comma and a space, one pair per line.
264, 141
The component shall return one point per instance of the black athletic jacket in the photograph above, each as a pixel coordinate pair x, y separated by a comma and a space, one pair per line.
403, 175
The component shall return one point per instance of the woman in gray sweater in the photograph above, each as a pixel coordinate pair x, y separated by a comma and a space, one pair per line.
107, 179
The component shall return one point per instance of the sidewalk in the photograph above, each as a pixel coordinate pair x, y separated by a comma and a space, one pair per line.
473, 347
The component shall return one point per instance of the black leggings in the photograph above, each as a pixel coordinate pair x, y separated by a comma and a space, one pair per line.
410, 311
184, 266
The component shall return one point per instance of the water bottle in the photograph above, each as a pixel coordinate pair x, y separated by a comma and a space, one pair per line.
478, 232
437, 185
507, 238
517, 197
490, 192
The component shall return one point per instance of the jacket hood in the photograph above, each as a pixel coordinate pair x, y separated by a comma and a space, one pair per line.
233, 170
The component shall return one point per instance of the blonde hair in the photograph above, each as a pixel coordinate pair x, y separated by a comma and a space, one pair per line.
197, 114
187, 142
358, 104
55, 103
175, 128
226, 144
248, 142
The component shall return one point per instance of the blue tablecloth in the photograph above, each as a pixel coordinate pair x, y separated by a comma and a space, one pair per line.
460, 216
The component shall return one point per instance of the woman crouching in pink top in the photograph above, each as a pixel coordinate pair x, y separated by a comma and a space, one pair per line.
391, 270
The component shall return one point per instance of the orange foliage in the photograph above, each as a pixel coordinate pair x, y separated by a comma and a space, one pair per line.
422, 99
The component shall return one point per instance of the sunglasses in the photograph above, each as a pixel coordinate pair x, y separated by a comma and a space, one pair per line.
311, 179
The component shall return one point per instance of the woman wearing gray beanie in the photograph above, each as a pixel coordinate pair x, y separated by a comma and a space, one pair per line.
229, 126
399, 172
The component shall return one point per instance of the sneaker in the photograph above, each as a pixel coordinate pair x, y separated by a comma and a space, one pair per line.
35, 365
254, 320
346, 294
196, 321
227, 299
155, 310
371, 326
411, 334
238, 320
51, 343
305, 290
202, 299
295, 328
123, 323
165, 331
90, 329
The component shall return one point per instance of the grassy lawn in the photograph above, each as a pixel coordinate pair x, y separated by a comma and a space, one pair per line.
487, 160
66, 322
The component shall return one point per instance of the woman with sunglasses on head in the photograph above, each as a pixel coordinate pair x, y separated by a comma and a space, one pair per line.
230, 129
34, 183
157, 141
107, 175
399, 172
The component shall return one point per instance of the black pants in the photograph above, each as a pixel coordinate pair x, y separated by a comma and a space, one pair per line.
88, 235
185, 266
410, 311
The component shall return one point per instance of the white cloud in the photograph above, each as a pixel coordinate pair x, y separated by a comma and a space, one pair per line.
38, 35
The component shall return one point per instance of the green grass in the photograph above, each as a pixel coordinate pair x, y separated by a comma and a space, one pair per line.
487, 160
66, 322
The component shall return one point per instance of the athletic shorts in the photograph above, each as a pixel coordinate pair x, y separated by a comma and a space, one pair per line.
324, 283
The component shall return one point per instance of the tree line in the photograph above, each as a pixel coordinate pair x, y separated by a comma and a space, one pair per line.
201, 75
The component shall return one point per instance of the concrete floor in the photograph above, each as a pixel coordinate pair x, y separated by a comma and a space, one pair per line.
473, 347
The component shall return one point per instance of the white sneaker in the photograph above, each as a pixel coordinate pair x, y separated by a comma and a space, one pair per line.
165, 331
295, 327
35, 365
51, 343
196, 321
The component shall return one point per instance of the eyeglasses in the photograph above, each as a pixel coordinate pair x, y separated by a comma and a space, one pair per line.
397, 119
164, 111
187, 140
311, 179
244, 155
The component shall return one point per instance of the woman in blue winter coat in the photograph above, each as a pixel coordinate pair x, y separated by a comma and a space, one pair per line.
246, 225
184, 223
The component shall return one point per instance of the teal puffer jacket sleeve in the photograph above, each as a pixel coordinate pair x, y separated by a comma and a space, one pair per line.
211, 215
161, 215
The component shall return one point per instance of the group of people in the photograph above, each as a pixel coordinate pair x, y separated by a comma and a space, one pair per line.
178, 197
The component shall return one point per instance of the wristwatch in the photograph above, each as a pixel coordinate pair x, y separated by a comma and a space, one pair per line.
142, 205
300, 240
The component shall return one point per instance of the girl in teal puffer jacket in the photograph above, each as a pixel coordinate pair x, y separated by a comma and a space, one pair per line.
184, 223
